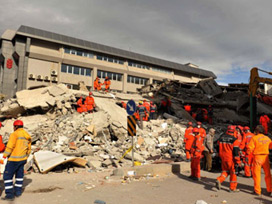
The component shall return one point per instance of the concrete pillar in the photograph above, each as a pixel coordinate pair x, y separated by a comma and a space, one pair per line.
150, 80
125, 75
94, 75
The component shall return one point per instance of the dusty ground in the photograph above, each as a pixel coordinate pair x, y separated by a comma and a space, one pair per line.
77, 188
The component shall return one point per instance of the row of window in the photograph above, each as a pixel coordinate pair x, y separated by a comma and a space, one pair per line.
136, 80
111, 75
109, 59
132, 64
161, 70
75, 70
113, 60
78, 52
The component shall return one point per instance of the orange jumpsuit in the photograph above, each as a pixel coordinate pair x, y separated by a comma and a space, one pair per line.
196, 153
96, 84
188, 140
79, 105
2, 145
248, 157
205, 114
263, 121
188, 108
107, 84
229, 154
89, 102
202, 132
259, 146
147, 106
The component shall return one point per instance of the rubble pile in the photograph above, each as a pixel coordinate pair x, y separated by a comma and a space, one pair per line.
49, 115
230, 104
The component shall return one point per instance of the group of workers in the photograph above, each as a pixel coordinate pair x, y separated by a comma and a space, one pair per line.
16, 152
98, 85
86, 105
238, 145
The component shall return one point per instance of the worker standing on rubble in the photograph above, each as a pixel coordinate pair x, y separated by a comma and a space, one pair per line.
264, 121
17, 151
248, 157
202, 131
89, 103
107, 84
153, 110
229, 154
259, 146
96, 83
141, 110
188, 140
208, 151
147, 106
196, 153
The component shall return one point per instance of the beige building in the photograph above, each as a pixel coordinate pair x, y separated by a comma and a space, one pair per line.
32, 57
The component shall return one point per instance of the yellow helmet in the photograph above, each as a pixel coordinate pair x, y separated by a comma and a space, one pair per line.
140, 102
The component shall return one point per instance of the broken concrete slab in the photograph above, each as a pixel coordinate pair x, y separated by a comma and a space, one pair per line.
210, 87
47, 160
57, 90
137, 156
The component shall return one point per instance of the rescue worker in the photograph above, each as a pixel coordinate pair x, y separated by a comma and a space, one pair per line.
248, 157
210, 115
205, 114
259, 146
2, 145
202, 131
229, 154
264, 121
147, 106
153, 110
107, 84
196, 153
79, 105
89, 103
124, 105
96, 83
188, 140
17, 151
188, 108
208, 151
142, 113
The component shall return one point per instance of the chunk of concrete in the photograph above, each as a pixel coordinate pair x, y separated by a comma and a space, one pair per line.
57, 90
137, 157
47, 160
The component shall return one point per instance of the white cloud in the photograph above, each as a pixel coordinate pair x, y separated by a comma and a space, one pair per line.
216, 35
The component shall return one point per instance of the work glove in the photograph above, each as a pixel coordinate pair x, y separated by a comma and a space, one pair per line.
2, 161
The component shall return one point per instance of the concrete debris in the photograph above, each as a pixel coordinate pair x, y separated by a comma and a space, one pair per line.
200, 202
47, 160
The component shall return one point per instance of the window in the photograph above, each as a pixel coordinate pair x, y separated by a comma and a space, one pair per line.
73, 52
88, 72
75, 70
90, 55
137, 80
79, 53
111, 75
70, 69
82, 71
66, 50
99, 57
63, 68
110, 60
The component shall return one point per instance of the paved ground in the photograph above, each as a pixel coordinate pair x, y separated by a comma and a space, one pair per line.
76, 188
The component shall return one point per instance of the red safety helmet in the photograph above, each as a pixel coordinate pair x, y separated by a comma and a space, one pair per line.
246, 128
199, 123
90, 93
151, 102
190, 123
195, 130
18, 123
231, 128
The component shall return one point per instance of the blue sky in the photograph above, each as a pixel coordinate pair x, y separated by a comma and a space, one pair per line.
226, 37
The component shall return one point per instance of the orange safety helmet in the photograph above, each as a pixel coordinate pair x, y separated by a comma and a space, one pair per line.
151, 102
199, 123
18, 123
246, 128
231, 129
196, 130
90, 93
190, 123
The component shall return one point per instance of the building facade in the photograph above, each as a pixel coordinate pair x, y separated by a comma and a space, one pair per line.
31, 57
